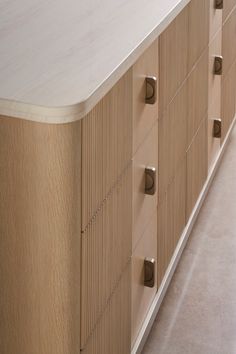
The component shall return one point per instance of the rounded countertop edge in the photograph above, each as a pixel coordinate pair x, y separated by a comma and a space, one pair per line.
77, 111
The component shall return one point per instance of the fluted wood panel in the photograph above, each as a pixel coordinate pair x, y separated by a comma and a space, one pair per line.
40, 167
144, 115
214, 96
106, 248
173, 54
143, 204
142, 296
172, 139
228, 7
171, 219
106, 145
197, 96
198, 30
228, 99
228, 42
196, 166
215, 19
112, 335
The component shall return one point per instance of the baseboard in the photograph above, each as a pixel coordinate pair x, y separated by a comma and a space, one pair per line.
147, 325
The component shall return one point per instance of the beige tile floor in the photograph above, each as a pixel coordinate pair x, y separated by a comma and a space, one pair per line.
198, 314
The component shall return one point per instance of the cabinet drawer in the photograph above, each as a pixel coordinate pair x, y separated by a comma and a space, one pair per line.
228, 99
196, 166
228, 42
144, 204
112, 334
198, 30
197, 96
215, 19
214, 112
144, 114
142, 295
215, 78
106, 249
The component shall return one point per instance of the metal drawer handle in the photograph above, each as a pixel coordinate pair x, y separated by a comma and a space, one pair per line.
151, 90
217, 128
219, 4
150, 180
218, 65
149, 272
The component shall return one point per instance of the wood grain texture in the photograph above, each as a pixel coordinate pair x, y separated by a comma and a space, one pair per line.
228, 7
214, 96
172, 139
228, 99
196, 166
113, 332
197, 96
171, 220
58, 59
106, 146
228, 42
143, 205
198, 12
40, 168
142, 296
106, 249
144, 115
215, 19
173, 54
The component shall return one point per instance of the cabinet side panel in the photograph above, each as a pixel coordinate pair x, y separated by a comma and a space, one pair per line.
39, 237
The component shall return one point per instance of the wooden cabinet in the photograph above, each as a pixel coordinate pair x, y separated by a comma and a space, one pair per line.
215, 19
142, 295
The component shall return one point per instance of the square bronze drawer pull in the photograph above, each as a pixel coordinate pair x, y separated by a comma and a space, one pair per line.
217, 128
150, 180
219, 4
218, 65
149, 272
151, 90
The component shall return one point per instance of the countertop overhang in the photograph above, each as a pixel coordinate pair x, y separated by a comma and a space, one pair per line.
58, 58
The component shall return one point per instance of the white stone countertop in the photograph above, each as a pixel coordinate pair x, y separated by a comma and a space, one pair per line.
58, 58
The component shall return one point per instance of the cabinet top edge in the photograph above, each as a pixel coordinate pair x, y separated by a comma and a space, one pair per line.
59, 58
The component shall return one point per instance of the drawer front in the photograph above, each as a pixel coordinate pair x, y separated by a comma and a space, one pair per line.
228, 99
144, 112
106, 249
112, 334
173, 44
142, 295
228, 42
196, 166
197, 96
215, 75
171, 220
106, 146
214, 112
172, 139
198, 29
144, 204
228, 7
215, 19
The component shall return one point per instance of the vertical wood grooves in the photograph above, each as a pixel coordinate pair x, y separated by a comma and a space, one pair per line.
112, 334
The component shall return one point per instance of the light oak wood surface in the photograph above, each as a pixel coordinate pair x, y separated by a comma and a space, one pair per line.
58, 59
172, 139
144, 115
106, 146
142, 296
143, 205
40, 179
215, 19
173, 58
228, 40
228, 7
113, 332
228, 99
198, 29
197, 158
197, 96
